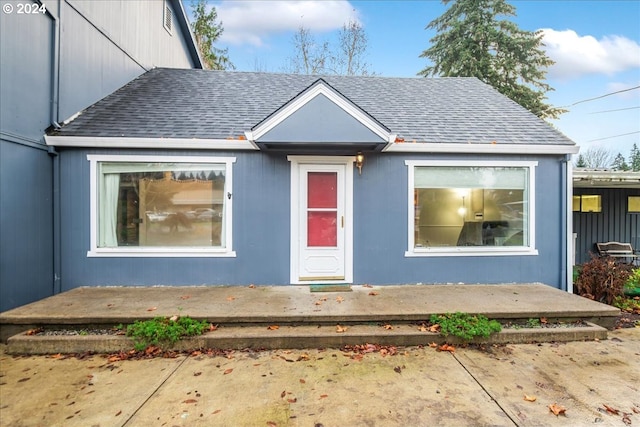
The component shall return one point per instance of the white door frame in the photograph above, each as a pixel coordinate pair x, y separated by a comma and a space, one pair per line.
296, 162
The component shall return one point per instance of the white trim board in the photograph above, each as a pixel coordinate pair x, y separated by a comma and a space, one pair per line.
158, 143
429, 147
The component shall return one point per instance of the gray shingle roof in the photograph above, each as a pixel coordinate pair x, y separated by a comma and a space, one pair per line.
176, 103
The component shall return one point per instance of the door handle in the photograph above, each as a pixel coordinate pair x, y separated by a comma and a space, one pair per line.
342, 221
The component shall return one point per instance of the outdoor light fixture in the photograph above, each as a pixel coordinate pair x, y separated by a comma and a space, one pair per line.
359, 162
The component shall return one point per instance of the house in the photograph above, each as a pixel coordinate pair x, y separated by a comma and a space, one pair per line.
606, 207
192, 177
57, 58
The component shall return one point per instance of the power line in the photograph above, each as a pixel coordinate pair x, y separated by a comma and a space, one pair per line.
615, 136
601, 96
611, 111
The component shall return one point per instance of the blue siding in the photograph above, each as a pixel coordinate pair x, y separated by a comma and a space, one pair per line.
101, 46
380, 239
26, 219
261, 230
614, 223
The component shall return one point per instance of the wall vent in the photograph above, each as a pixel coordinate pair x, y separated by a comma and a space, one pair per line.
168, 18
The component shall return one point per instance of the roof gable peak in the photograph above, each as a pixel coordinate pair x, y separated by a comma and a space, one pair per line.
319, 88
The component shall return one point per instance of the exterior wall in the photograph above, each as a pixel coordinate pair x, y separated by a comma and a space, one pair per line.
261, 230
52, 66
614, 223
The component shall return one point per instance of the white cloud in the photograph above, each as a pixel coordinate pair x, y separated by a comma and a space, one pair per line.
250, 22
579, 55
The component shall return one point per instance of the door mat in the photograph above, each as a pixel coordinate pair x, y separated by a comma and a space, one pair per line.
330, 287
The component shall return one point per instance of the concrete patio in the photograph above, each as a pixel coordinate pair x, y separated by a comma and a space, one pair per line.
304, 319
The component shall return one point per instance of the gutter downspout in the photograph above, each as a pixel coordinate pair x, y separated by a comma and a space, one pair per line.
55, 179
568, 166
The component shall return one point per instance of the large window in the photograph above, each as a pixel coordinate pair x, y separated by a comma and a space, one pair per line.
160, 206
471, 208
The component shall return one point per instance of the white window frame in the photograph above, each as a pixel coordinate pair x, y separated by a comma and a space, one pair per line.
152, 251
412, 251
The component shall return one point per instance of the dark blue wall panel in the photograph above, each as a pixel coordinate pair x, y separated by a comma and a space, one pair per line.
26, 224
614, 223
261, 230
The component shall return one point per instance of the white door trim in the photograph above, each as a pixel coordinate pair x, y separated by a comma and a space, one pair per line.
296, 161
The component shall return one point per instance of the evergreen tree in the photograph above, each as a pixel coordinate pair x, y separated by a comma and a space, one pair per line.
472, 42
619, 163
581, 163
634, 159
206, 32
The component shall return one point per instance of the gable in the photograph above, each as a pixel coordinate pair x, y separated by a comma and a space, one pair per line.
317, 120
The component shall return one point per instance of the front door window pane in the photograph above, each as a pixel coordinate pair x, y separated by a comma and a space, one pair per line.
322, 209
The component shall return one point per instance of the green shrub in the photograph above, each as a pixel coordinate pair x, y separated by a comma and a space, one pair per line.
464, 325
634, 279
162, 331
602, 279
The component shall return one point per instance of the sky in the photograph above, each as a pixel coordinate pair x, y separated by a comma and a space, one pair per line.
595, 46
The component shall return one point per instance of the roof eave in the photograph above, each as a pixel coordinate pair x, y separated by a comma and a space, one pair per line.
163, 143
457, 148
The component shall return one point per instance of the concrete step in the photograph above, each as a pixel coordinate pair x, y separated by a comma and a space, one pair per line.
297, 337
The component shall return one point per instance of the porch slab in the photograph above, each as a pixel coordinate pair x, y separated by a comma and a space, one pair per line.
296, 305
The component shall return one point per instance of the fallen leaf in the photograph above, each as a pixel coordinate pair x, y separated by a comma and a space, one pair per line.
530, 398
433, 344
118, 413
422, 328
271, 424
544, 320
190, 401
197, 374
185, 297
387, 327
557, 409
294, 400
302, 381
152, 309
213, 327
34, 331
273, 327
283, 394
339, 299
23, 380
434, 328
373, 293
252, 286
173, 318
323, 396
231, 298
367, 286
340, 329
318, 302
447, 347
228, 371
217, 411
611, 410
398, 369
